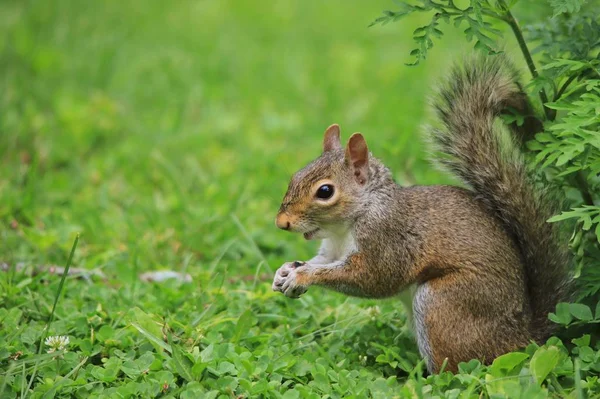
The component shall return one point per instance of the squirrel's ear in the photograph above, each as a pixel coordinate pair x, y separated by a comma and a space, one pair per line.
357, 156
331, 139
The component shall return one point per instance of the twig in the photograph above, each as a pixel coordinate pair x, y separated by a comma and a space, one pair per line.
560, 92
514, 25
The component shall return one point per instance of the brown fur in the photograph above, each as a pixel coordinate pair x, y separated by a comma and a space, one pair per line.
471, 253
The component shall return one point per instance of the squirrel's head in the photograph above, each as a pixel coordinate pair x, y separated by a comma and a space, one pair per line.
324, 196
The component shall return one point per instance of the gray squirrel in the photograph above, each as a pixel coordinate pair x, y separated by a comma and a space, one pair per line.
486, 265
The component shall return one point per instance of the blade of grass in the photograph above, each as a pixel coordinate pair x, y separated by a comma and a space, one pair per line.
51, 318
182, 364
5, 379
248, 237
31, 360
152, 338
578, 390
23, 379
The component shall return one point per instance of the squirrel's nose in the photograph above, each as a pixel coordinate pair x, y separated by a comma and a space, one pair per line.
282, 222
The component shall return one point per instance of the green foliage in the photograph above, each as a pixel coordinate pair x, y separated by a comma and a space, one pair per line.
569, 148
566, 6
569, 314
548, 36
472, 18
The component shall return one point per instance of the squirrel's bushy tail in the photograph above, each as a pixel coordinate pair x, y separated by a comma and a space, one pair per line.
473, 147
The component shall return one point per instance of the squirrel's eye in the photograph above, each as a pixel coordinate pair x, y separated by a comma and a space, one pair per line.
325, 191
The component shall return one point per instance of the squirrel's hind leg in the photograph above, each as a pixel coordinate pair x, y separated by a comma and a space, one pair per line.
463, 322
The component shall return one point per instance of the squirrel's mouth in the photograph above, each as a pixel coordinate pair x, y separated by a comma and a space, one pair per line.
311, 234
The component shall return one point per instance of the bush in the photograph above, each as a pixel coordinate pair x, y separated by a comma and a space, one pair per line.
564, 37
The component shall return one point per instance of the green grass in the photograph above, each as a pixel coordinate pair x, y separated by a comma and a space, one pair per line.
165, 133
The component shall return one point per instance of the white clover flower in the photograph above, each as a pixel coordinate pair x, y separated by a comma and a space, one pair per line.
57, 343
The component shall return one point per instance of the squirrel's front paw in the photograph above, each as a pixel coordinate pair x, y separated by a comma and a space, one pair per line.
286, 279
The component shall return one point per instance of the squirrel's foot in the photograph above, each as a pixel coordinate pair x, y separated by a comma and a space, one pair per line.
285, 280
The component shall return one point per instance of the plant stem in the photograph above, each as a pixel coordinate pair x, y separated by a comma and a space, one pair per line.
550, 113
584, 73
514, 25
581, 181
564, 87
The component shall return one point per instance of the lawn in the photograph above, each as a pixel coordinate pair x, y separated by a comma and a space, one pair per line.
164, 133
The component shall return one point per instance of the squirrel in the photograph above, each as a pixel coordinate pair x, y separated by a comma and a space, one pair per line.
486, 265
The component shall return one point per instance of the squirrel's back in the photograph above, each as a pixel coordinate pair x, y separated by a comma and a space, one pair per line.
474, 149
